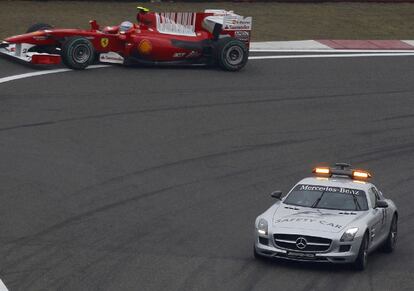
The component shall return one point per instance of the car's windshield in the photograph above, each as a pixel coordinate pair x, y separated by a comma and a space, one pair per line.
327, 197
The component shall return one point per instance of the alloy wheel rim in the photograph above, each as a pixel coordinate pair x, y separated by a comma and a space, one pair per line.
234, 55
81, 53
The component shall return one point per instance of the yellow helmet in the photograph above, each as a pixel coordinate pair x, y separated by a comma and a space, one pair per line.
143, 9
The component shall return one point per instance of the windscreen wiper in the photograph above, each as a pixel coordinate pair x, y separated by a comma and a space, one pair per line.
318, 200
358, 207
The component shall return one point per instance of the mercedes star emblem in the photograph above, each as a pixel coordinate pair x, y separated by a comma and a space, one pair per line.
301, 243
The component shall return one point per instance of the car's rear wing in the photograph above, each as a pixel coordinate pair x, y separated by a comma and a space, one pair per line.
220, 23
227, 23
228, 19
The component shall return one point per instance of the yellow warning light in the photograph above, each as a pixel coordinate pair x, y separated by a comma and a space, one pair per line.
361, 174
323, 171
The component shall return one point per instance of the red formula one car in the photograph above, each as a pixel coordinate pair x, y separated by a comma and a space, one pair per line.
215, 37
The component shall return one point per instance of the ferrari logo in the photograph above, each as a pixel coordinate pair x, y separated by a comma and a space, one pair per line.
145, 47
104, 42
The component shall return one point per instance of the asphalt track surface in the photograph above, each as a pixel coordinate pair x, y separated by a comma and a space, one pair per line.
150, 179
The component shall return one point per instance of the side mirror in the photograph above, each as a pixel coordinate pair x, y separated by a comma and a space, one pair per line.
381, 204
276, 194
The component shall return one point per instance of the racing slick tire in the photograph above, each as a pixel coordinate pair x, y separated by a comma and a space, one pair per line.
78, 53
361, 262
38, 26
231, 54
391, 241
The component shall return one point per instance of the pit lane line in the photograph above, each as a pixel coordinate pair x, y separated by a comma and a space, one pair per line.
351, 55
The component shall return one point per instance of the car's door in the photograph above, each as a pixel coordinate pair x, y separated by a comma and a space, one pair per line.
385, 212
377, 218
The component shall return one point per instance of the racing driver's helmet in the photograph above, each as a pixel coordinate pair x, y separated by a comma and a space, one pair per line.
125, 26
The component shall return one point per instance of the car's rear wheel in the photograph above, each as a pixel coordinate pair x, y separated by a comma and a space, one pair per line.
362, 259
38, 26
391, 241
231, 54
78, 53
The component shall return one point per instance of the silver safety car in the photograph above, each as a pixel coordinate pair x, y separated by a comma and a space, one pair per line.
337, 216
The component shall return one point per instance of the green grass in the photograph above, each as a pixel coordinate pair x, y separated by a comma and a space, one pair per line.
271, 21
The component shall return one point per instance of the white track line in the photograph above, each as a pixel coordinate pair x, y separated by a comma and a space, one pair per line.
41, 73
354, 55
2, 286
330, 56
333, 51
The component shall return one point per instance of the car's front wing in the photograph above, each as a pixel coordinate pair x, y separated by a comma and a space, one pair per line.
21, 53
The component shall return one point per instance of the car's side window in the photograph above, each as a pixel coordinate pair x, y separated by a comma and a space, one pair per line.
377, 194
380, 196
372, 197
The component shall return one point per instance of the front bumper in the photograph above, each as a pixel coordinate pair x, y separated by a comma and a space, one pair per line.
333, 255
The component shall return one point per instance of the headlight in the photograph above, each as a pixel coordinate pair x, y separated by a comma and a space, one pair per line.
349, 235
262, 227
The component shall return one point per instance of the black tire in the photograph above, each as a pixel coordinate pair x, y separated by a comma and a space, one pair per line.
361, 262
78, 53
38, 26
231, 54
391, 241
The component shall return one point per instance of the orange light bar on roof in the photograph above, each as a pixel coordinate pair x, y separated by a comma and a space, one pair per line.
361, 174
323, 171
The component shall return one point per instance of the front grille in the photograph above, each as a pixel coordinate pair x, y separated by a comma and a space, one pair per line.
312, 243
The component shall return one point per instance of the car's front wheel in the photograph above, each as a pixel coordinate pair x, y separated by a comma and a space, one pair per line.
361, 262
78, 53
391, 241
